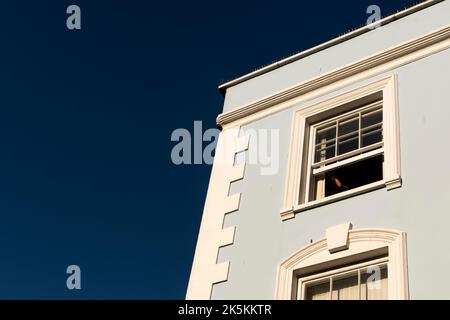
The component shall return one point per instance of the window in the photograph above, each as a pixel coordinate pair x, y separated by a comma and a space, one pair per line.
343, 146
372, 267
347, 151
365, 281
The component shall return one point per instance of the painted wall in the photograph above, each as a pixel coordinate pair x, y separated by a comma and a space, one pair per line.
420, 207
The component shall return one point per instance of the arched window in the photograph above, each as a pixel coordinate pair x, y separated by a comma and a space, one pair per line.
347, 264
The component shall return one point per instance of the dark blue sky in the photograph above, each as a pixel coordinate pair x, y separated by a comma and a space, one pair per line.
85, 122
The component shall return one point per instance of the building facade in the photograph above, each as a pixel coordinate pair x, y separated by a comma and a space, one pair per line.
351, 204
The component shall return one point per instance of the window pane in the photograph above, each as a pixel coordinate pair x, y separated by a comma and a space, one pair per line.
346, 288
325, 134
327, 151
368, 283
374, 283
319, 291
348, 135
372, 136
349, 126
349, 144
325, 144
372, 118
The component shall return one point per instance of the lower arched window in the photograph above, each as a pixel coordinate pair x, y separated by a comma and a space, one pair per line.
371, 266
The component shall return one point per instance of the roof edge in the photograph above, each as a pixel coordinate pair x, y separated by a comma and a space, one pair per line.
401, 14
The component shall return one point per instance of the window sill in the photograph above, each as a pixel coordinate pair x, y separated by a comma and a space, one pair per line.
388, 184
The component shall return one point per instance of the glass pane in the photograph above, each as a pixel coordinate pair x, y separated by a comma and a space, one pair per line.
320, 291
349, 126
372, 136
374, 283
325, 134
348, 144
348, 135
346, 288
370, 119
325, 144
327, 152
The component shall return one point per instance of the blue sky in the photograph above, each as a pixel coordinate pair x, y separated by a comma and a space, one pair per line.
86, 116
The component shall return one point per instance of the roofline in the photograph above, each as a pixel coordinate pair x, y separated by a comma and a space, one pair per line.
223, 87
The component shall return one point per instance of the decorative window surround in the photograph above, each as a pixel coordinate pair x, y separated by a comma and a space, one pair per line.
337, 237
205, 270
384, 61
297, 177
362, 244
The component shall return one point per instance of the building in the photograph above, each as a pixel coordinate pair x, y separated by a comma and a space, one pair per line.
357, 207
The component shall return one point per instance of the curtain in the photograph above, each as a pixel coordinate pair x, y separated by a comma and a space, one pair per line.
346, 288
318, 291
373, 286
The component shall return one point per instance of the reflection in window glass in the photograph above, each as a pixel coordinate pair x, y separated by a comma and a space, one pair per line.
325, 144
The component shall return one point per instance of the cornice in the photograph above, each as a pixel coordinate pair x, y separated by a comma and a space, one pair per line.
401, 14
396, 56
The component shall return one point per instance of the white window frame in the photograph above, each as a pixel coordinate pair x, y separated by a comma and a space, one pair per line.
363, 244
298, 182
